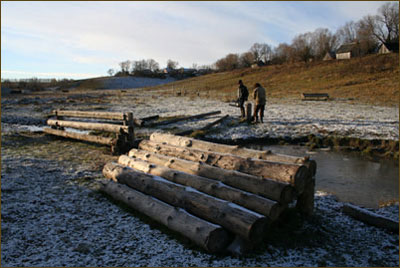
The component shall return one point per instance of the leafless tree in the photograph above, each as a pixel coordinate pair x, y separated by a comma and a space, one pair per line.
302, 46
347, 33
152, 65
246, 59
110, 72
125, 66
323, 41
261, 52
172, 64
230, 62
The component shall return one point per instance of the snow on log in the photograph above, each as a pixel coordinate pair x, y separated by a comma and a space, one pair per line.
232, 149
85, 125
295, 174
370, 217
248, 224
278, 191
259, 204
79, 136
211, 237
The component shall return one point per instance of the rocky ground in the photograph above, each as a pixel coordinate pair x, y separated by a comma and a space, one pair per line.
52, 214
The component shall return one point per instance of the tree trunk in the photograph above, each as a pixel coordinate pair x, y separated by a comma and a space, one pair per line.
248, 224
85, 125
371, 218
232, 149
207, 127
215, 188
79, 136
294, 174
278, 191
211, 237
165, 122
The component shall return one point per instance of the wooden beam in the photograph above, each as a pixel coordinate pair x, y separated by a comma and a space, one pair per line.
166, 122
90, 114
207, 127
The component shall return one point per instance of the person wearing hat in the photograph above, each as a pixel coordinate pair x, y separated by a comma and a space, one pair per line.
259, 96
243, 94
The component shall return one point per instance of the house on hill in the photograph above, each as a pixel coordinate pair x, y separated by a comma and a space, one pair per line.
391, 47
347, 51
257, 64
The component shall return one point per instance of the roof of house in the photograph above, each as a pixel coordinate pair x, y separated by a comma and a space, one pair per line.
346, 47
392, 46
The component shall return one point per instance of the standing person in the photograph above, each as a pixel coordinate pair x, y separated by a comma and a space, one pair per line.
243, 94
259, 96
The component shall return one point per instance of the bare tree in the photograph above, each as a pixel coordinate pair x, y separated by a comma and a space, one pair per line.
246, 59
347, 33
283, 53
230, 62
125, 66
323, 41
388, 16
302, 46
261, 52
172, 64
152, 65
110, 72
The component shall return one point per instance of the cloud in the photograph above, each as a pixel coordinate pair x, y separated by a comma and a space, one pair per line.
11, 73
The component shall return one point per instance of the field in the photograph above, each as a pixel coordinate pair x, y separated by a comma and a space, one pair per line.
53, 215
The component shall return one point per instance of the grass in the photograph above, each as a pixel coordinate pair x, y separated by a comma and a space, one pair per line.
372, 79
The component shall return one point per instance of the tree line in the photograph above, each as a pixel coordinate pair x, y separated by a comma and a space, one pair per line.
369, 32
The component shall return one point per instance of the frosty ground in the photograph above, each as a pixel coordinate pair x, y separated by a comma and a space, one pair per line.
52, 214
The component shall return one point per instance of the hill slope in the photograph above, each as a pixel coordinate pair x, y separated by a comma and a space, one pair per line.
372, 79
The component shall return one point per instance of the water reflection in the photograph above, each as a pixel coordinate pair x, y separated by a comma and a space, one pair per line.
349, 176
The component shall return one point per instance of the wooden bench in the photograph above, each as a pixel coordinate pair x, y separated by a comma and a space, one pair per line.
314, 96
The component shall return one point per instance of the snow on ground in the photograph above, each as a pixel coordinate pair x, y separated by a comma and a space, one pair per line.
53, 216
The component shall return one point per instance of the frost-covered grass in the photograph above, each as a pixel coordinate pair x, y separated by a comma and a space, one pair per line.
52, 214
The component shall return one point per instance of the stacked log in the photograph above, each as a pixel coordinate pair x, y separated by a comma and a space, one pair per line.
211, 197
209, 236
245, 223
264, 206
232, 149
278, 191
294, 174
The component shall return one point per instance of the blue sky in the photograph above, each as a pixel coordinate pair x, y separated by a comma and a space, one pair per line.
85, 39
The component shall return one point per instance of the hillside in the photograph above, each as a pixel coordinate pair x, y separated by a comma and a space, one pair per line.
373, 79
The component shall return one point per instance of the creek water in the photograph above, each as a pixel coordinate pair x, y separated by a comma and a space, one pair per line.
348, 175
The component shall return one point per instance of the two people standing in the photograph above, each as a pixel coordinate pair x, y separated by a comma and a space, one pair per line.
259, 96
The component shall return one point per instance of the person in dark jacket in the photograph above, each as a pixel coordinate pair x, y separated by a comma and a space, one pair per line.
243, 94
260, 98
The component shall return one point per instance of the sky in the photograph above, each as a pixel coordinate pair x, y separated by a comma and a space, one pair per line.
85, 39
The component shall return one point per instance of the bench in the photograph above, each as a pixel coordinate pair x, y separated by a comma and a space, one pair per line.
314, 96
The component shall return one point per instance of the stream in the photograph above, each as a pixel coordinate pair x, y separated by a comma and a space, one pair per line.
348, 175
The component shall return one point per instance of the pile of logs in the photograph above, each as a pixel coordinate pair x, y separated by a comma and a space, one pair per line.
221, 197
124, 128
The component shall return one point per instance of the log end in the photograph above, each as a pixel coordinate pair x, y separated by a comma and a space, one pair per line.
257, 230
218, 240
287, 195
301, 178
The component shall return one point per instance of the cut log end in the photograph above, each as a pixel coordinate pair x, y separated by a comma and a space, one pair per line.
257, 230
301, 178
218, 240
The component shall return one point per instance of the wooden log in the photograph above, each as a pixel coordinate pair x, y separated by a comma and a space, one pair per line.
86, 125
296, 175
305, 201
232, 149
165, 122
209, 236
215, 188
278, 191
207, 127
249, 116
90, 114
80, 136
370, 218
248, 224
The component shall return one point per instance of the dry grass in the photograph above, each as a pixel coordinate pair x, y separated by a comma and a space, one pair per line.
372, 79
